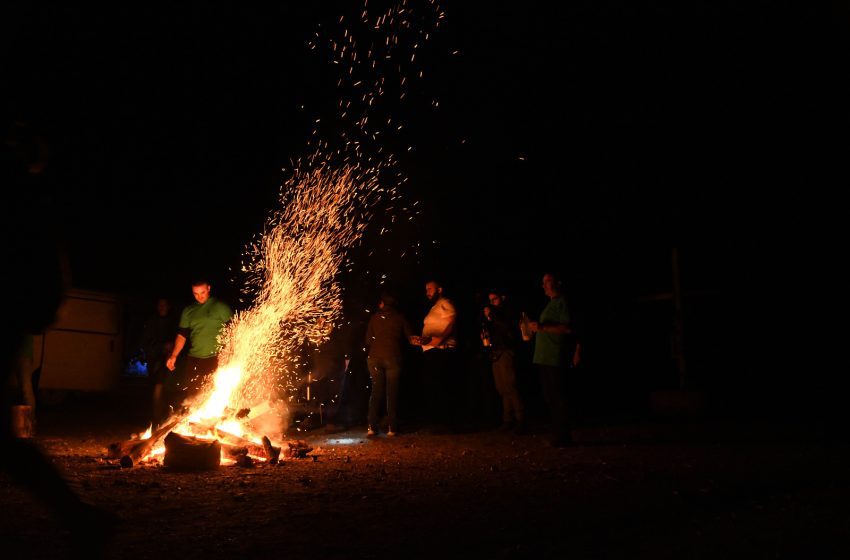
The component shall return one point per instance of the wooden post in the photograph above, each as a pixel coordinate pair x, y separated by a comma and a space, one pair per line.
678, 342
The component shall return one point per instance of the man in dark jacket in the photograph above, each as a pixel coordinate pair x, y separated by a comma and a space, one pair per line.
386, 336
502, 325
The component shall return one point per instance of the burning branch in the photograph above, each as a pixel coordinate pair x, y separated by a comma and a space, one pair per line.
132, 451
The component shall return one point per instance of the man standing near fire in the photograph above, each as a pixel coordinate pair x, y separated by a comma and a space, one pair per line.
200, 324
556, 354
439, 370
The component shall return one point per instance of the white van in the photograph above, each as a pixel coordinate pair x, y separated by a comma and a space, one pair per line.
83, 349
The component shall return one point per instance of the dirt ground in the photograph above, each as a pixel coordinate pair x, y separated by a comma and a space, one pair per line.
626, 491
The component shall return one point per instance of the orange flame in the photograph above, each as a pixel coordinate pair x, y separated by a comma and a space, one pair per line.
292, 266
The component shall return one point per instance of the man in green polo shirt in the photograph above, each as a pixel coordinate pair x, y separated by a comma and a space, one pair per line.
555, 352
200, 324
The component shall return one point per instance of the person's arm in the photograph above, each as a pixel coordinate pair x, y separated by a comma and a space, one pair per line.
228, 312
559, 324
179, 342
500, 318
405, 326
552, 328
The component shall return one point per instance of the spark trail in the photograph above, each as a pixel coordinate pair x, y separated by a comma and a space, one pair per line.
326, 205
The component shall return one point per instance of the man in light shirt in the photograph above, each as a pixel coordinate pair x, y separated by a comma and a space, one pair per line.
438, 326
439, 371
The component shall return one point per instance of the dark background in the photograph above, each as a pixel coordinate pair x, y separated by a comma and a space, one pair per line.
586, 137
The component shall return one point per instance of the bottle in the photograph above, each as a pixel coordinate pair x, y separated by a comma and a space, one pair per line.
485, 335
524, 328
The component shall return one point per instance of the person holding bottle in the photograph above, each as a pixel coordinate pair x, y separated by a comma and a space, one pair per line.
500, 322
485, 332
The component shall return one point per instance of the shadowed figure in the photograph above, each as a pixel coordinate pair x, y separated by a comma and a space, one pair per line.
331, 378
501, 323
36, 279
158, 342
387, 335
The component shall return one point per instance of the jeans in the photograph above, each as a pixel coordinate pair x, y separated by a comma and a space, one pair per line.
385, 374
504, 375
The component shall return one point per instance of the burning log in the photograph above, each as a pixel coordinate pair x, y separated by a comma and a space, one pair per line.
272, 452
240, 455
293, 448
191, 453
297, 449
233, 451
131, 451
266, 450
118, 449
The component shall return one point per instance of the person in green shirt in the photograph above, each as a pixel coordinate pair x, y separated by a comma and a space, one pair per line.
200, 324
555, 351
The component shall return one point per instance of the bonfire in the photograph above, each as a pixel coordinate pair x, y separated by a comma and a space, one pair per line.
241, 413
291, 271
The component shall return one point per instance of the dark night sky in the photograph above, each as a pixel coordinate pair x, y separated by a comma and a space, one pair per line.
640, 126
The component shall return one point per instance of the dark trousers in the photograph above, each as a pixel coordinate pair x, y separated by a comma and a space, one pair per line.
156, 374
504, 376
198, 372
553, 382
385, 374
441, 387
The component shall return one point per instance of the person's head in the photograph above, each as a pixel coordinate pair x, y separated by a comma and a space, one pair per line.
495, 298
551, 285
433, 290
387, 300
162, 306
201, 291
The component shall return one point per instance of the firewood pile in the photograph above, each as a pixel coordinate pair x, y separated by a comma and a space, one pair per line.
184, 452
